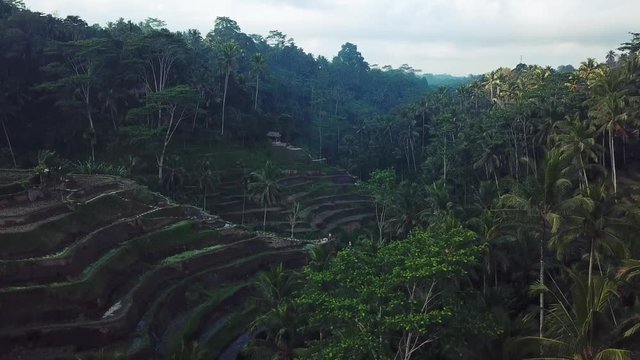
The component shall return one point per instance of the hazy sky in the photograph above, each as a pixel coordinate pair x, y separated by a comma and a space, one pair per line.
438, 36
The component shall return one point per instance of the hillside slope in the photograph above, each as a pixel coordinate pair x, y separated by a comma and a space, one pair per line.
99, 266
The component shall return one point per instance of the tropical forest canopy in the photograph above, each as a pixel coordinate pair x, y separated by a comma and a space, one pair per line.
506, 206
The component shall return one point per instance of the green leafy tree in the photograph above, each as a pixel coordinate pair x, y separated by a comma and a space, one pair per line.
155, 57
293, 216
381, 185
175, 104
398, 301
79, 71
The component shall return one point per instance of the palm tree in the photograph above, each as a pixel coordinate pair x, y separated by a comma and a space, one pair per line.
577, 328
609, 110
491, 81
438, 201
494, 241
587, 70
276, 286
543, 210
264, 188
258, 65
207, 178
489, 160
10, 107
320, 257
575, 140
245, 185
597, 230
229, 54
406, 207
6, 135
281, 325
611, 59
275, 290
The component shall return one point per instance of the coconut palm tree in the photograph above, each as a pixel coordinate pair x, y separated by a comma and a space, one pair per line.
491, 81
495, 255
257, 66
609, 111
229, 54
320, 257
577, 327
406, 207
245, 186
597, 230
587, 71
264, 188
279, 316
575, 140
543, 210
281, 326
207, 179
489, 160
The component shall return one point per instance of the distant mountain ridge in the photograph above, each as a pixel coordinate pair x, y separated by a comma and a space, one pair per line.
448, 80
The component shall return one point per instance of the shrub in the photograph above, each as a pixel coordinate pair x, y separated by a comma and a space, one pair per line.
94, 167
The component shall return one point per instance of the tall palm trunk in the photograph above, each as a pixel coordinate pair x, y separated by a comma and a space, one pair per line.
612, 154
161, 164
255, 104
6, 135
264, 217
444, 159
204, 199
224, 97
422, 145
195, 115
526, 144
93, 133
584, 174
590, 267
541, 299
244, 201
603, 155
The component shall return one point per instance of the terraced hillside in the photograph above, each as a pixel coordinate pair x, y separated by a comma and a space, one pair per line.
98, 267
329, 203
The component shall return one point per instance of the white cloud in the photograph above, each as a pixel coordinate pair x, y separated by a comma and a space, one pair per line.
455, 36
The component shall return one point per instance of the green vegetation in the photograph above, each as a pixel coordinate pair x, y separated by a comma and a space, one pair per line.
48, 236
494, 217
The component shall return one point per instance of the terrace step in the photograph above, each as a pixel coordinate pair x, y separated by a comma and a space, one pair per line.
177, 263
99, 333
32, 212
94, 282
346, 220
77, 256
54, 233
321, 219
110, 269
187, 324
